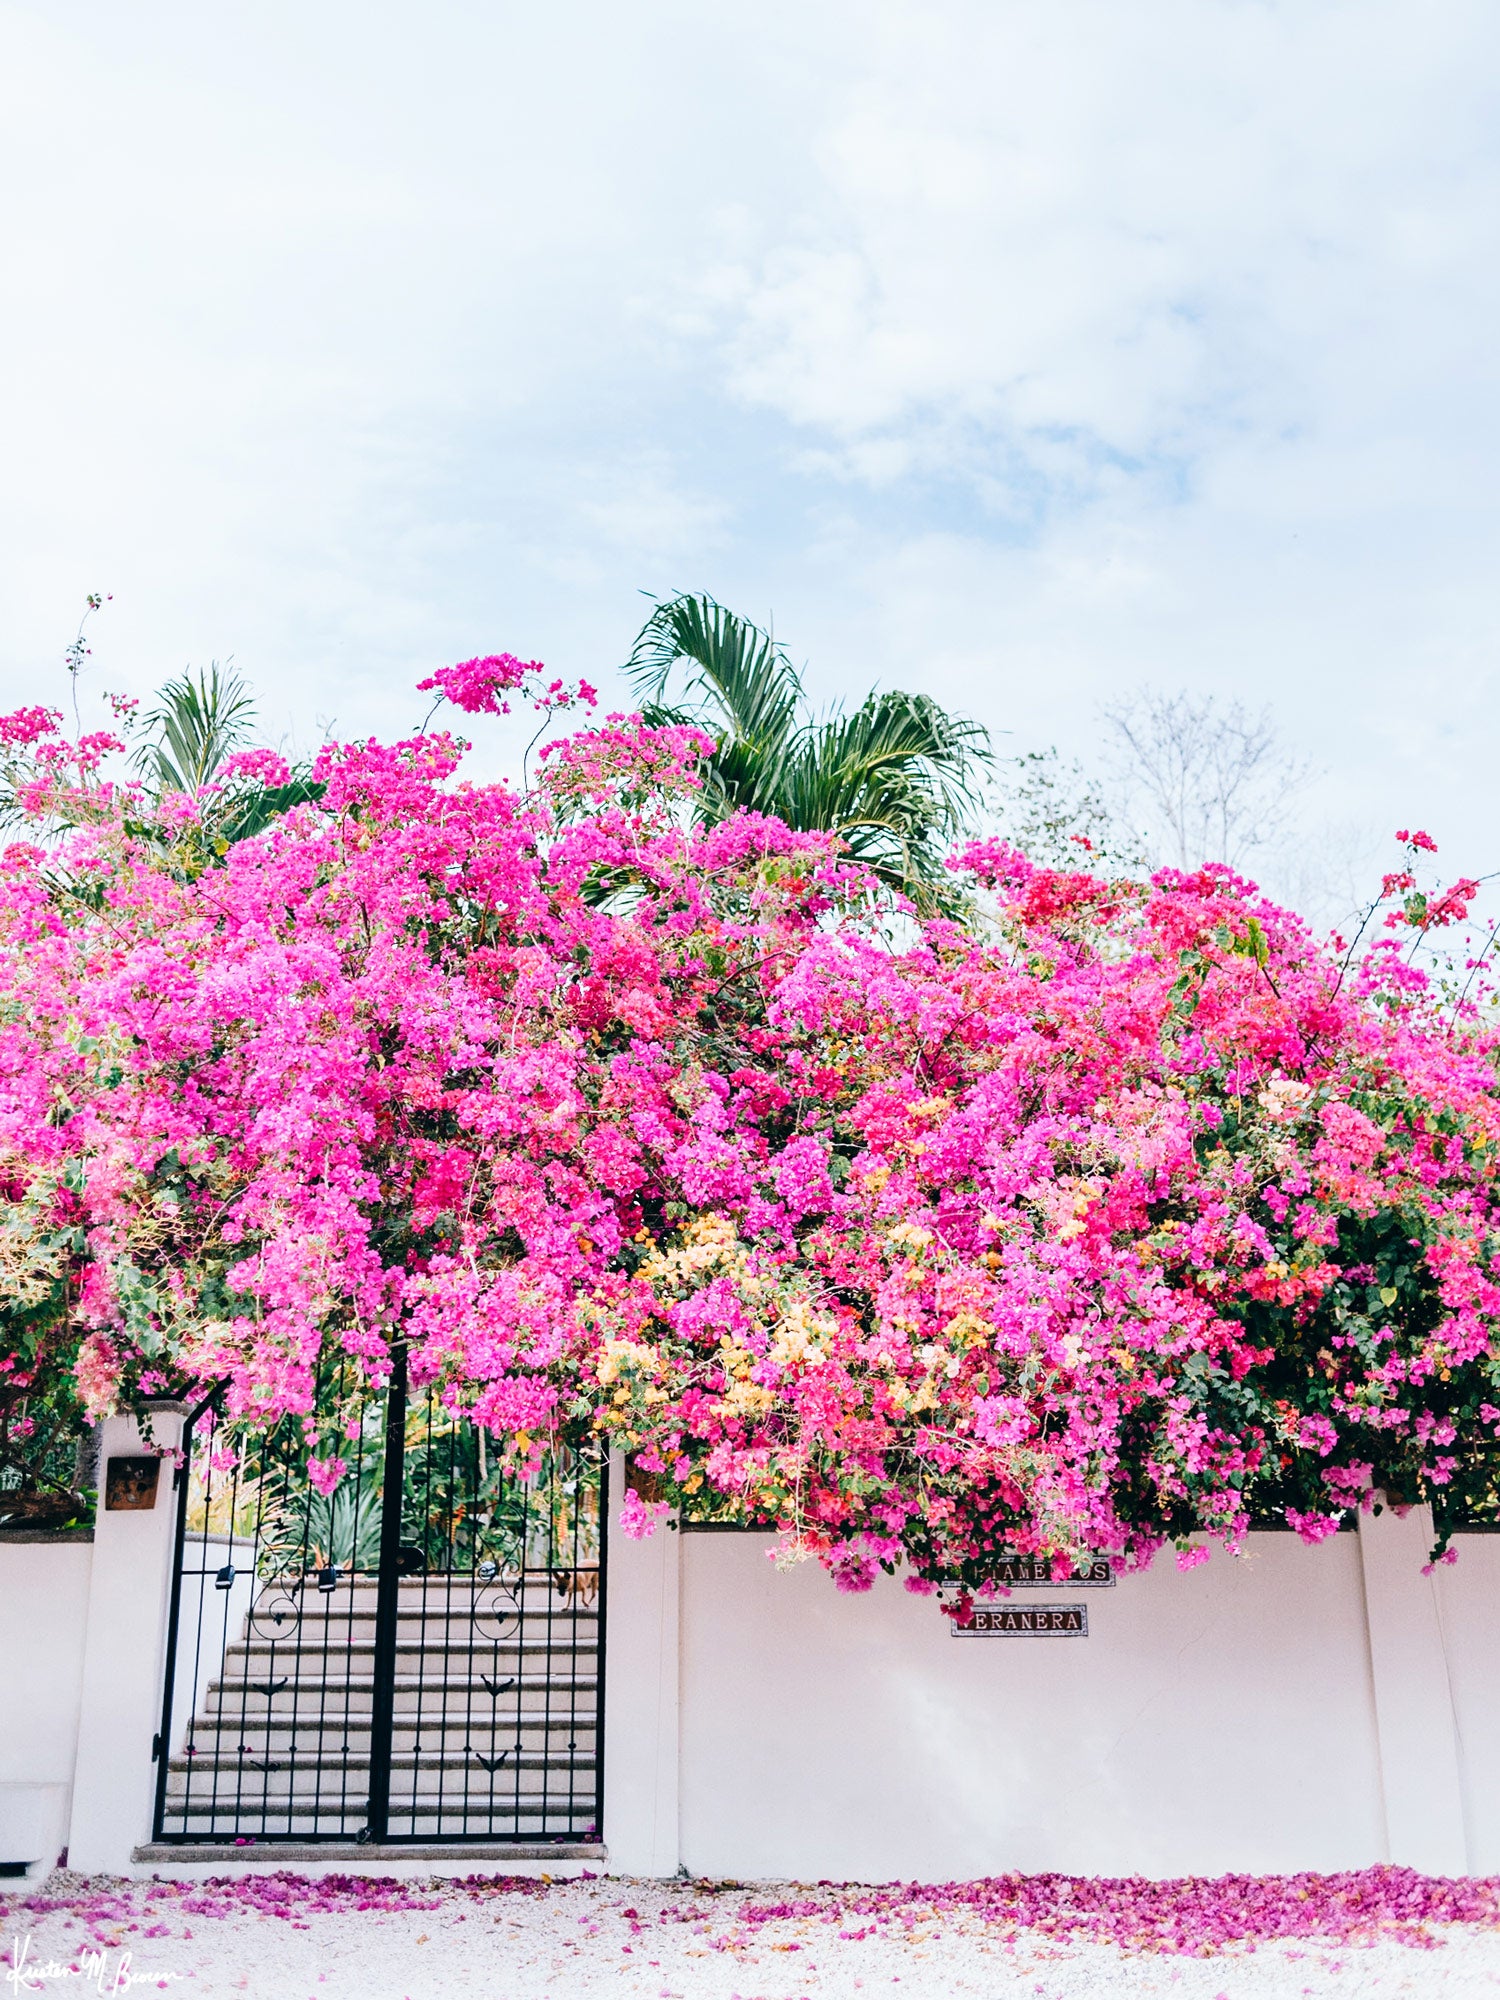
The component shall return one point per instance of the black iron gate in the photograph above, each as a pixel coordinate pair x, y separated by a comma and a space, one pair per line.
414, 1655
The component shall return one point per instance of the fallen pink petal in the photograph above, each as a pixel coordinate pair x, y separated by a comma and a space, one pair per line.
1361, 1932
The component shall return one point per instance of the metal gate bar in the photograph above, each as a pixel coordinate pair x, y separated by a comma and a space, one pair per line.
388, 1606
415, 1656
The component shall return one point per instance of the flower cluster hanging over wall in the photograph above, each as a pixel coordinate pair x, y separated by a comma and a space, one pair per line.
1125, 1210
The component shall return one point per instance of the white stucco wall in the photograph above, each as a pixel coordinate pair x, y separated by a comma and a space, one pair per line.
1293, 1708
124, 1660
1219, 1719
1468, 1610
44, 1597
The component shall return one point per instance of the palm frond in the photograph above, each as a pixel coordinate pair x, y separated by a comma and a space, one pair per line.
250, 812
199, 720
907, 742
896, 779
738, 682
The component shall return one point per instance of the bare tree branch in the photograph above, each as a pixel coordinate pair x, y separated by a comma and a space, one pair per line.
1059, 816
1201, 782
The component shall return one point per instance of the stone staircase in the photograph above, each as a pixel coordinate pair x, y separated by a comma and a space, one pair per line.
495, 1714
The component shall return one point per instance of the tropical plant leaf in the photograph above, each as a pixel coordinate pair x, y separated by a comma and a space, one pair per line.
252, 811
737, 680
199, 721
896, 778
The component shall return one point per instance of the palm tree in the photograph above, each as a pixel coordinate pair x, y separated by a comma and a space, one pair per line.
199, 721
896, 779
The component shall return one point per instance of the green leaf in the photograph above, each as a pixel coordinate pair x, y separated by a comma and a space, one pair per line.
896, 779
198, 722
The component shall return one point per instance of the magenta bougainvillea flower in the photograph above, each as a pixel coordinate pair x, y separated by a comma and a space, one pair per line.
1129, 1210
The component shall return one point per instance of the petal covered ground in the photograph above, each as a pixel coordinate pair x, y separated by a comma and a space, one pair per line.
1378, 1932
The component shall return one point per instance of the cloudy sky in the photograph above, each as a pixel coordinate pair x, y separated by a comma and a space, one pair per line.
1023, 353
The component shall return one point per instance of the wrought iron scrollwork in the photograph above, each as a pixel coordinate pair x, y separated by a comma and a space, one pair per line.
411, 1657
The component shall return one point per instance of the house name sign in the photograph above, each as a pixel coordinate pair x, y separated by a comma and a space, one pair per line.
1027, 1573
1033, 1621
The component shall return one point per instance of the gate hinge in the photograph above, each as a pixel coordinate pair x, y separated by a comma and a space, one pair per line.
156, 1746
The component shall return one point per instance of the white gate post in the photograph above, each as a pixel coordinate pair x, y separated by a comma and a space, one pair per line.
640, 1694
1414, 1717
124, 1657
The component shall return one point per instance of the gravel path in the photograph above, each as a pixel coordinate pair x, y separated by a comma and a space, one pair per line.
292, 1939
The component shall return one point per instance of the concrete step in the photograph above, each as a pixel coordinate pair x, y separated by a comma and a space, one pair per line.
492, 1808
271, 1788
457, 1757
561, 1584
414, 1645
540, 1588
449, 1823
469, 1851
271, 1617
461, 1791
352, 1694
349, 1736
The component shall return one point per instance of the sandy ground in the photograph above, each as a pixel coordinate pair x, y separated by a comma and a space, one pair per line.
640, 1941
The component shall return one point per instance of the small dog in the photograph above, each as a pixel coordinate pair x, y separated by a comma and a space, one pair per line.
578, 1588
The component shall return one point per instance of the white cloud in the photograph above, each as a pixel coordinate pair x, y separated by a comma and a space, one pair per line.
639, 507
1017, 351
1144, 228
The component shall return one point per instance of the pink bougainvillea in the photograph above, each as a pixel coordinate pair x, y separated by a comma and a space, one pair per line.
1126, 1211
481, 686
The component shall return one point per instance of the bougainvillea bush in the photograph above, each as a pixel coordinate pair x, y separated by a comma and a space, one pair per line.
1123, 1211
